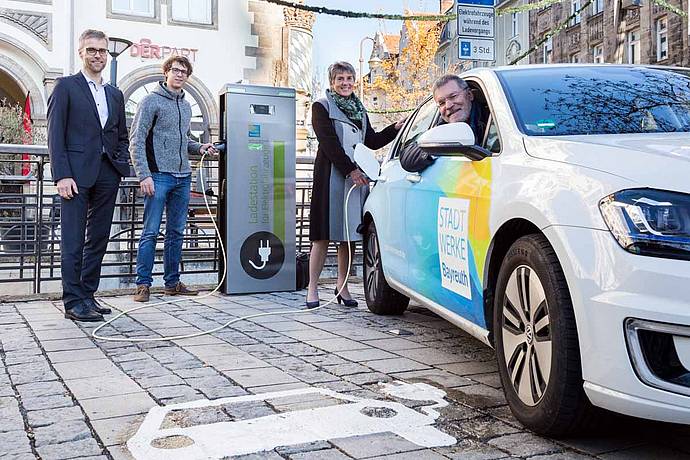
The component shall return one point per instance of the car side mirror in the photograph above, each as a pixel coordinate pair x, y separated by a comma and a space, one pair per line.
452, 139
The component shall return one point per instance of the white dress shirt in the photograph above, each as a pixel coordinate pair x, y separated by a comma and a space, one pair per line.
98, 92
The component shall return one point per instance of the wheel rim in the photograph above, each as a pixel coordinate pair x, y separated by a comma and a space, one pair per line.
372, 262
526, 334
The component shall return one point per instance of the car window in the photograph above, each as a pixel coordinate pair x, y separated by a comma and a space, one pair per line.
419, 124
566, 101
492, 142
488, 136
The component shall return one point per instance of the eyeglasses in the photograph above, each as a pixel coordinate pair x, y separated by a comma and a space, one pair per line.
177, 71
451, 97
93, 51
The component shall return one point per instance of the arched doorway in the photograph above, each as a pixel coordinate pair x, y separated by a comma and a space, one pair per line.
23, 72
10, 92
142, 81
200, 125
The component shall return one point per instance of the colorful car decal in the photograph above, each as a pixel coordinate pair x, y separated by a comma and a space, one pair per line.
451, 178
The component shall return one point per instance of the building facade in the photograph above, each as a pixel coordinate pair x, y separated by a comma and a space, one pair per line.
226, 41
512, 34
447, 57
613, 31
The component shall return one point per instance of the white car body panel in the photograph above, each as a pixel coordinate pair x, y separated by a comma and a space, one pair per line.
556, 183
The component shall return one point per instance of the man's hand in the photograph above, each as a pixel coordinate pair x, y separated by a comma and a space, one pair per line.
400, 123
147, 187
208, 148
358, 177
67, 188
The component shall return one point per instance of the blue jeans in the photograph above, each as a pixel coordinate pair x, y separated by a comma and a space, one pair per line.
172, 194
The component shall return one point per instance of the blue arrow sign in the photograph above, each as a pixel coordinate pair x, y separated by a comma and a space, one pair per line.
465, 49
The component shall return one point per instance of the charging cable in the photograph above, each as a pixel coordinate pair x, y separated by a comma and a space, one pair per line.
266, 252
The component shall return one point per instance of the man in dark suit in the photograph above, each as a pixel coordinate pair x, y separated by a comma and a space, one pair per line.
89, 150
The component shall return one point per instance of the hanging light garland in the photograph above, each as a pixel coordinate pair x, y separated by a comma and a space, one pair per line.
448, 17
404, 17
437, 17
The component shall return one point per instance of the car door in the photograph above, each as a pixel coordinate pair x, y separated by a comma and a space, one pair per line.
446, 221
390, 213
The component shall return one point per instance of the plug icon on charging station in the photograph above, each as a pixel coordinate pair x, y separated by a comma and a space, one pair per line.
264, 254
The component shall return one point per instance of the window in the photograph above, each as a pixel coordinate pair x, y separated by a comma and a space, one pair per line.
585, 100
196, 11
444, 63
633, 40
574, 58
419, 124
492, 142
661, 39
574, 8
548, 51
598, 54
445, 33
134, 7
513, 24
597, 6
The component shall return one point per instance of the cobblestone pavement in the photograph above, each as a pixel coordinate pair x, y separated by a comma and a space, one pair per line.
64, 395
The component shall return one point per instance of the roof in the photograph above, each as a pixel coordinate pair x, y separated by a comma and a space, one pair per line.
446, 5
391, 43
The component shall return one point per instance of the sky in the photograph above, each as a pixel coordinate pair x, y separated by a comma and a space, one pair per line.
337, 38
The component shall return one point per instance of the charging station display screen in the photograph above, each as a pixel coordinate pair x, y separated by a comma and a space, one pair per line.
262, 109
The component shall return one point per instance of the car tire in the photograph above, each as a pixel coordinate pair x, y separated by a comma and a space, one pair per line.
381, 298
537, 343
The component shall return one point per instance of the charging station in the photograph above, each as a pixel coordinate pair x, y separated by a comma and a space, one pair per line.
257, 188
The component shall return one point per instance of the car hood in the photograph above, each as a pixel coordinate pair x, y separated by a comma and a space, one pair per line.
652, 160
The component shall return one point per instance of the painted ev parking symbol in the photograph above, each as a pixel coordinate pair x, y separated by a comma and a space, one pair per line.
353, 417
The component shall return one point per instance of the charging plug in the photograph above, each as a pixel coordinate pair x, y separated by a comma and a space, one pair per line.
264, 251
264, 254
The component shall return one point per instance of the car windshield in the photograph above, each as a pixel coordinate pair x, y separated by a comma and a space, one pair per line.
565, 101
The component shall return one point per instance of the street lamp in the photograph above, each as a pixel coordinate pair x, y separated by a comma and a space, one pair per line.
116, 46
361, 64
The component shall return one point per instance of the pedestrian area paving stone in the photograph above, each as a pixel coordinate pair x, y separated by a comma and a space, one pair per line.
65, 395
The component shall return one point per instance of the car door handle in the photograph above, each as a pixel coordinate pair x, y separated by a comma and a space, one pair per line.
414, 178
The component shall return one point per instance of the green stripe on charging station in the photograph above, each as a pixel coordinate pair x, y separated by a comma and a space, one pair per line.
279, 190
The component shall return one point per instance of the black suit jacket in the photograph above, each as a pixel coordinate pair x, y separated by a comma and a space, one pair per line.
76, 141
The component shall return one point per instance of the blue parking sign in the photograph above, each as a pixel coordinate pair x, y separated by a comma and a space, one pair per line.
465, 49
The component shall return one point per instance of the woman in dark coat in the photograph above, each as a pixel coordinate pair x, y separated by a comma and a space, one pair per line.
340, 122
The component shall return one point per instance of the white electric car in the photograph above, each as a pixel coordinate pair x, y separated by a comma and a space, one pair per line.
562, 238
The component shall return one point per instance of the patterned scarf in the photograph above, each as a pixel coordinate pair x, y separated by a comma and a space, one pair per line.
351, 106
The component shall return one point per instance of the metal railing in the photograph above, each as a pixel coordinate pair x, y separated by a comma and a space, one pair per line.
30, 223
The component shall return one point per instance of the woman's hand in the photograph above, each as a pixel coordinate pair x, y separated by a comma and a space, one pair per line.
358, 177
400, 123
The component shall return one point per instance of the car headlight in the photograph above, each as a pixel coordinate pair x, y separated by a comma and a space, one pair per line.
649, 222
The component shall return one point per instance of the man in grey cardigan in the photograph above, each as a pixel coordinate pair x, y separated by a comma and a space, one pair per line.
159, 145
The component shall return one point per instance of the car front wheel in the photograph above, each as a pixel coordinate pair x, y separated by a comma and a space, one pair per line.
381, 298
536, 341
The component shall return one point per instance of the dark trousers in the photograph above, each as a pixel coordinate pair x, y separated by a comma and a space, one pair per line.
85, 222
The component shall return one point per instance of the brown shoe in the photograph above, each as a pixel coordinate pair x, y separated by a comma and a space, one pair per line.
180, 289
142, 293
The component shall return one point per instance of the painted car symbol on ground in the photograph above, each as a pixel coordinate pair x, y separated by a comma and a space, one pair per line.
359, 417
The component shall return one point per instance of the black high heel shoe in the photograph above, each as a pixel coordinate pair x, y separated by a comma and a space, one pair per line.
313, 304
346, 302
